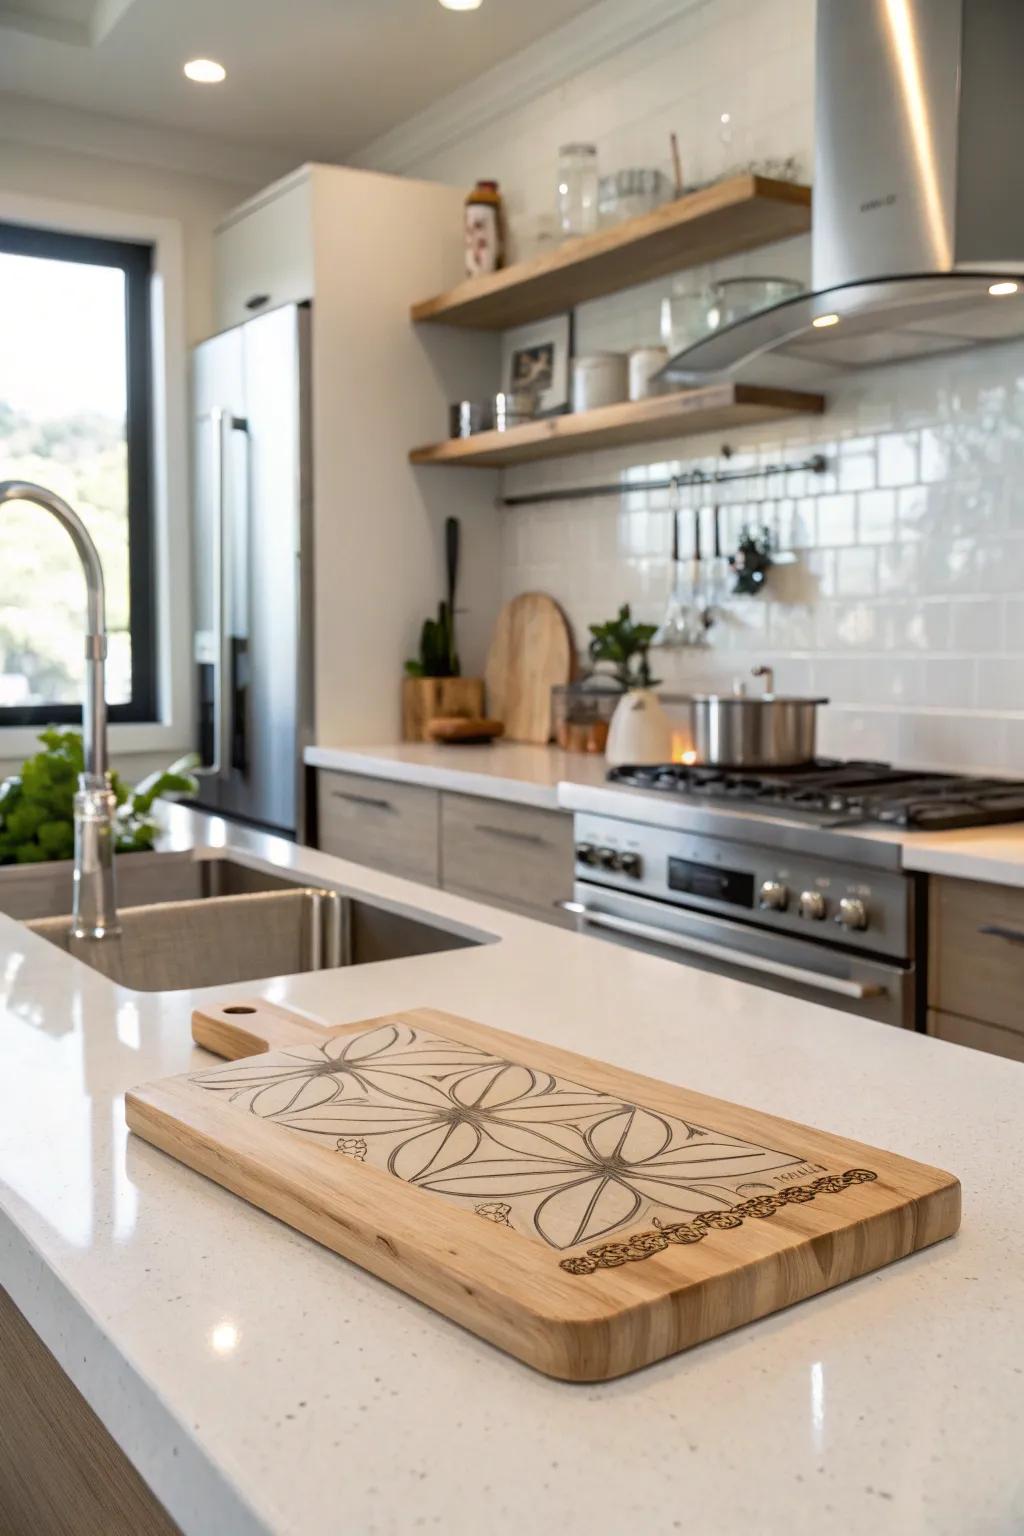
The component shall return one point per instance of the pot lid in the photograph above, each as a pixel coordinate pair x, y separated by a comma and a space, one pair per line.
747, 700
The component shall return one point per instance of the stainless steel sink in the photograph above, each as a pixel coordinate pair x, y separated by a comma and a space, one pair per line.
246, 925
28, 891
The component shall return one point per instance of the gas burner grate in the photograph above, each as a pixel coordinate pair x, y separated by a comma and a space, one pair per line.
843, 794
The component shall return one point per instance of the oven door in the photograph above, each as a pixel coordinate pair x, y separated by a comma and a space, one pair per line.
871, 988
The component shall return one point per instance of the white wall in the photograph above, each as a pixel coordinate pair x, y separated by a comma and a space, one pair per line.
906, 604
195, 202
379, 388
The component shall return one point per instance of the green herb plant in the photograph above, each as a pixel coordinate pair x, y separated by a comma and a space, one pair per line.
624, 644
37, 806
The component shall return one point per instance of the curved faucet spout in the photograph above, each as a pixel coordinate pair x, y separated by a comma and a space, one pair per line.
95, 906
94, 710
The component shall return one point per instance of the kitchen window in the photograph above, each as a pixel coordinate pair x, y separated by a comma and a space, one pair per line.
75, 416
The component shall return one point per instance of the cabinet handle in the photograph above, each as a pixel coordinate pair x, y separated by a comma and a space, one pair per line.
997, 931
376, 805
257, 301
533, 838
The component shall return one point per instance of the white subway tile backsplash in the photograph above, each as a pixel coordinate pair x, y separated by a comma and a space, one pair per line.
837, 519
857, 472
976, 625
897, 458
905, 601
856, 572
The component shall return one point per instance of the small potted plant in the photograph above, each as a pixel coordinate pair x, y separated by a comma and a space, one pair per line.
640, 730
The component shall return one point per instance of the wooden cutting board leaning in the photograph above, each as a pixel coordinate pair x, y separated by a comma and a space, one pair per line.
585, 1219
531, 651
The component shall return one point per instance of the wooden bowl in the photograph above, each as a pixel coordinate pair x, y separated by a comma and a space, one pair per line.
459, 730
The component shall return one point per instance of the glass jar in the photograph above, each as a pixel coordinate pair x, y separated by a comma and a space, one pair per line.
577, 189
581, 713
484, 230
684, 316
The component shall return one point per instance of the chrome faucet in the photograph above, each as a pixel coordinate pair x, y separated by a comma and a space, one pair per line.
95, 896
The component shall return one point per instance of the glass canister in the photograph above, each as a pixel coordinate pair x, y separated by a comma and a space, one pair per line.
577, 189
581, 713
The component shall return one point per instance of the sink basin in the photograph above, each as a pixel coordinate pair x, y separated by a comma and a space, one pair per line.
29, 891
247, 925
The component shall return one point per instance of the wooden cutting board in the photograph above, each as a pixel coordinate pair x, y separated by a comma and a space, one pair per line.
531, 651
585, 1219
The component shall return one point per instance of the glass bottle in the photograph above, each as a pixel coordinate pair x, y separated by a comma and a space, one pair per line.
484, 230
577, 189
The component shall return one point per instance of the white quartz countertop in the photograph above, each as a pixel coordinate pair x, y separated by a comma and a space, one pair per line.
503, 770
995, 854
262, 1384
548, 777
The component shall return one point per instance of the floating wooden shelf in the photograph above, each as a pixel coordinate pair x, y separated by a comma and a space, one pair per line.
734, 215
716, 408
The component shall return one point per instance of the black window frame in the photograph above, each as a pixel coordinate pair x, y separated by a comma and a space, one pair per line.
135, 260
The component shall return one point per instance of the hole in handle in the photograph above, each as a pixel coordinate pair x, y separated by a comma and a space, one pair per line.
257, 301
239, 1008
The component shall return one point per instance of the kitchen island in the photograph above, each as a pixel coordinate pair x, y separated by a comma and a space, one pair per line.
260, 1383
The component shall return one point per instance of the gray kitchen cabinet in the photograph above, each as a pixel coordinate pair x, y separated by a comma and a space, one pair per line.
512, 856
976, 965
392, 827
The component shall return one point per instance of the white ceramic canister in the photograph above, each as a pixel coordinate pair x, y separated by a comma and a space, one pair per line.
599, 378
644, 363
641, 731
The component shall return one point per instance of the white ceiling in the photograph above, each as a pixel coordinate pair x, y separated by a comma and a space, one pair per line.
309, 79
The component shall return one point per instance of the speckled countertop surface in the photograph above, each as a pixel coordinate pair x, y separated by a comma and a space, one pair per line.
262, 1384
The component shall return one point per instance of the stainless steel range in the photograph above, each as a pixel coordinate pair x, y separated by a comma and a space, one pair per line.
787, 879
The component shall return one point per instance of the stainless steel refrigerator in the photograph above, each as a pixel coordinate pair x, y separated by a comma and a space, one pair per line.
252, 533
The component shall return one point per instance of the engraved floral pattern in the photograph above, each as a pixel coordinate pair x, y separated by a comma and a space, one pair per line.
547, 1156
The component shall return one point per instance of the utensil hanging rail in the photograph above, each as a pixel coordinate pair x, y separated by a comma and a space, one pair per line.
815, 465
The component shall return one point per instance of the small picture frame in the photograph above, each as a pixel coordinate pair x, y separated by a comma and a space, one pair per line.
536, 357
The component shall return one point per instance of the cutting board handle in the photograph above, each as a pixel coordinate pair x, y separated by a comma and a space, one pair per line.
246, 1026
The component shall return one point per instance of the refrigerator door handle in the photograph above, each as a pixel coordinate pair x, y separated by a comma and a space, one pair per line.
233, 753
220, 421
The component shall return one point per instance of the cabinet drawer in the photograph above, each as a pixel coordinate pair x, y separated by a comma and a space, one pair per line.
391, 827
976, 953
515, 855
982, 1037
264, 258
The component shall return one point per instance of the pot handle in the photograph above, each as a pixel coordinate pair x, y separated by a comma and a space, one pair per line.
768, 673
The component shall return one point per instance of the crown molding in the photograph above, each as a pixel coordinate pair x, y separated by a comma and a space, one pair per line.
103, 16
43, 124
597, 34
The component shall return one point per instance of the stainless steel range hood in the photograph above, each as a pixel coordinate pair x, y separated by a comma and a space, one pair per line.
918, 192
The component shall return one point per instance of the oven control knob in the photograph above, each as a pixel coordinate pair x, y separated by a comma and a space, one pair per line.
773, 896
607, 858
852, 913
586, 853
812, 904
629, 863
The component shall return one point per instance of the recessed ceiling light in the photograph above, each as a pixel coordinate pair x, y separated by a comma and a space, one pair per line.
461, 5
205, 71
824, 320
998, 290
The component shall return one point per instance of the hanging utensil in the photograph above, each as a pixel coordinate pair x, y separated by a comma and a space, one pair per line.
675, 629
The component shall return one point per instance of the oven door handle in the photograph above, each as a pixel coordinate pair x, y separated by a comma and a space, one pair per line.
796, 973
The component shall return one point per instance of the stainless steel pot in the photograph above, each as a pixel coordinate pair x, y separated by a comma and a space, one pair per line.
733, 731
